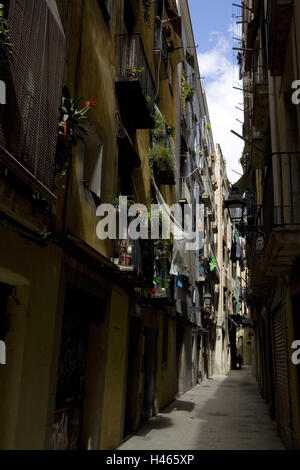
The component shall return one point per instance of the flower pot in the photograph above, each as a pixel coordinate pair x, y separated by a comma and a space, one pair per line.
132, 74
169, 129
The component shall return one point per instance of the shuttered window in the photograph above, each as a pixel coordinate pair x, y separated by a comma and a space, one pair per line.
90, 156
29, 120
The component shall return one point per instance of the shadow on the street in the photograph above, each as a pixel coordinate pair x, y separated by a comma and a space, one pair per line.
232, 416
179, 405
157, 422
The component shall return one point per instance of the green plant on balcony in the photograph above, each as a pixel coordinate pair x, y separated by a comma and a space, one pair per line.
133, 71
161, 160
162, 128
71, 130
147, 4
208, 126
162, 250
187, 92
6, 47
116, 202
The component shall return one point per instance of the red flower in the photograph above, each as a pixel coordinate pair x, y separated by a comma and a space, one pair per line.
92, 102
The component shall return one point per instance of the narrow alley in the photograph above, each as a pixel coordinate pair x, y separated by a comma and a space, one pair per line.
223, 413
149, 226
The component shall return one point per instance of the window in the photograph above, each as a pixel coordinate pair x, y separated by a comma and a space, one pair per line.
28, 124
91, 155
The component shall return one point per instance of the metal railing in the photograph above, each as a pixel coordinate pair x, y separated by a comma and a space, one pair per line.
137, 254
281, 201
132, 55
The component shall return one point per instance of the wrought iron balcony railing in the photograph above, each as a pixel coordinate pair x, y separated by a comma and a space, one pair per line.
135, 85
137, 257
281, 201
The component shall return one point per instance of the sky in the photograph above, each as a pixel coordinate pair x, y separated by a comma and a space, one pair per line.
214, 27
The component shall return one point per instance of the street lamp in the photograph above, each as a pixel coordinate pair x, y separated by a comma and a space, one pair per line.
207, 300
236, 206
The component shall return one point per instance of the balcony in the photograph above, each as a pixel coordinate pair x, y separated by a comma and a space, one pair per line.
279, 15
281, 212
134, 84
135, 259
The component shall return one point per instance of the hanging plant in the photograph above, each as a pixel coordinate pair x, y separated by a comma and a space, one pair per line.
162, 128
6, 47
71, 130
132, 72
147, 9
187, 92
161, 160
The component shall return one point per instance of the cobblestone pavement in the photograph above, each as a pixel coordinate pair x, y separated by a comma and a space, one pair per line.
223, 413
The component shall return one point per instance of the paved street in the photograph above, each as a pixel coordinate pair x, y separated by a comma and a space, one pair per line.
225, 413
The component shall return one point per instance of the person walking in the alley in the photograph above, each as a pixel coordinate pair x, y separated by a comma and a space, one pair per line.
239, 361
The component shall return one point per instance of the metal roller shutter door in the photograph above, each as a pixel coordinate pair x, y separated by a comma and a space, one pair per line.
281, 376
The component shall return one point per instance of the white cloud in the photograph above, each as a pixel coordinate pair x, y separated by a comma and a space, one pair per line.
222, 100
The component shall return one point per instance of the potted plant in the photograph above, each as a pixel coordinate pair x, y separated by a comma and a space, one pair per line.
189, 92
71, 130
132, 72
162, 164
170, 129
162, 128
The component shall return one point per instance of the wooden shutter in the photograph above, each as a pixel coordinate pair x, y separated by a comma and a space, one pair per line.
29, 121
